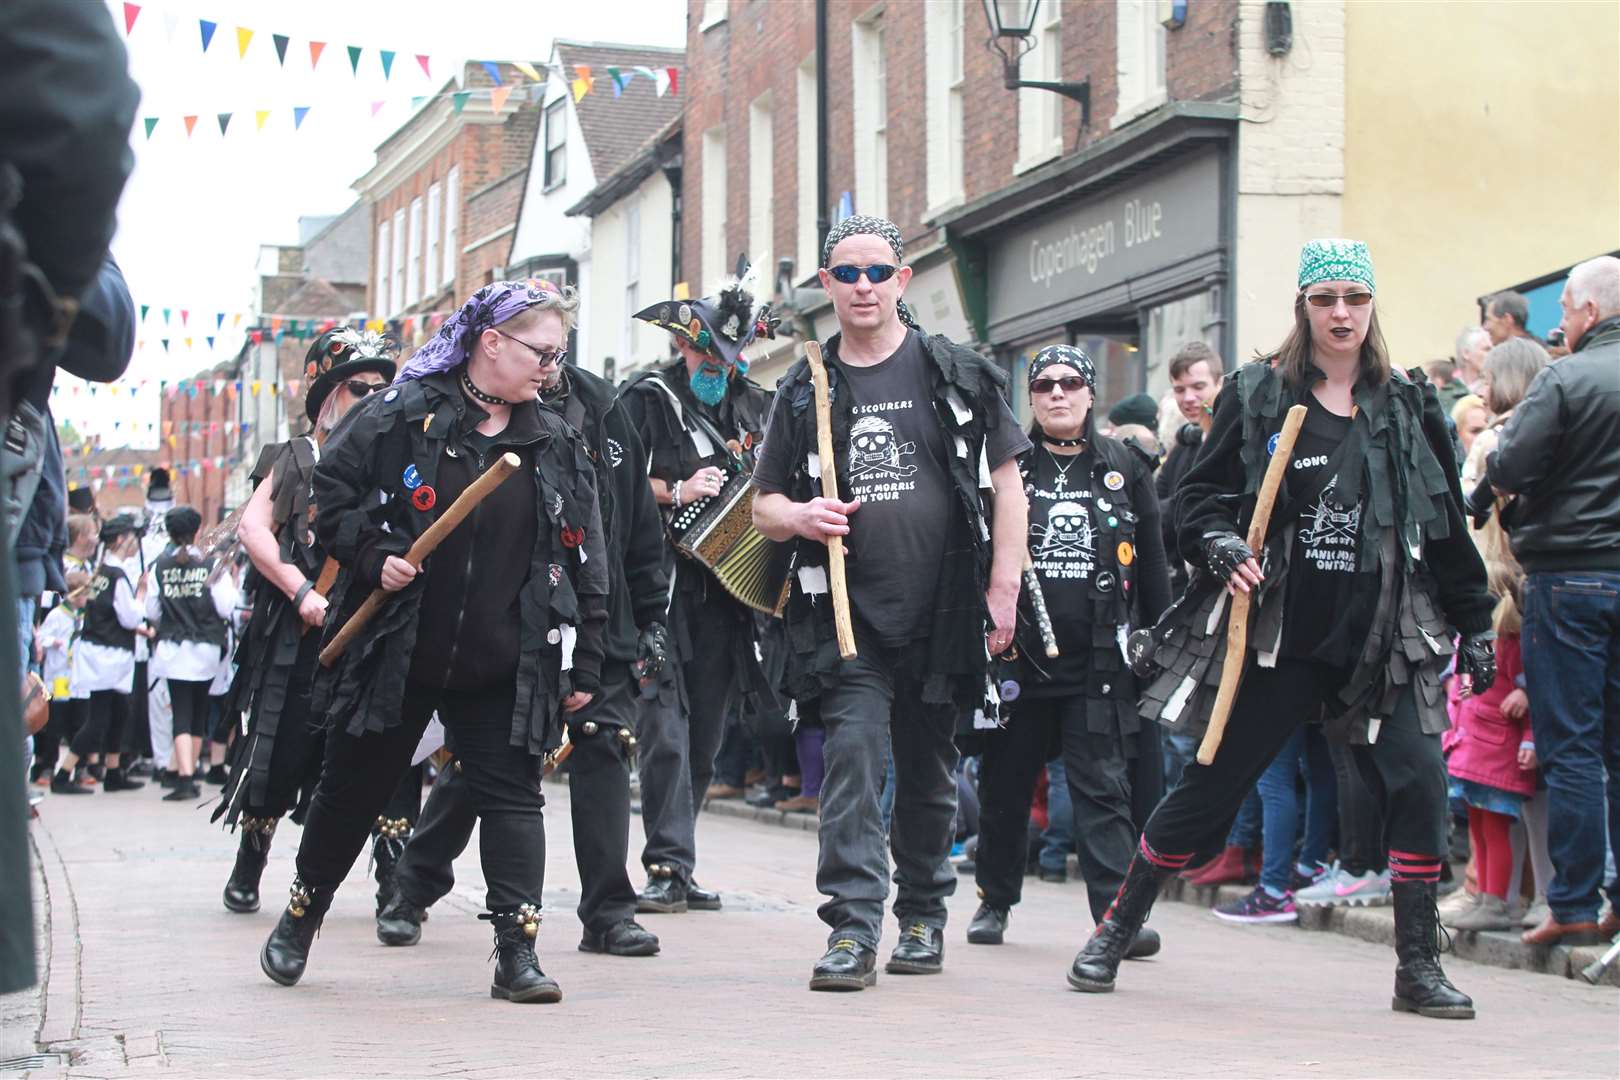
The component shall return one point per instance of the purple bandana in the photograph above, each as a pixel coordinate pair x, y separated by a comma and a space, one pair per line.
490, 306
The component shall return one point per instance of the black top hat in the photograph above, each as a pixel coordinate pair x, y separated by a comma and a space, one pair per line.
340, 353
723, 324
157, 485
81, 500
120, 525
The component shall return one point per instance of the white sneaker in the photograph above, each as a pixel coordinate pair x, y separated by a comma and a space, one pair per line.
1339, 886
1323, 891
1537, 914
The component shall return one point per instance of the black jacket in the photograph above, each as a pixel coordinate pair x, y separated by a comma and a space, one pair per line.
1167, 485
1560, 457
408, 434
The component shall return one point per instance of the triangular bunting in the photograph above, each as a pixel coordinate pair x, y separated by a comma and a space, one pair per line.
527, 69
582, 81
144, 309
387, 63
219, 320
281, 48
130, 11
188, 343
647, 72
416, 102
260, 116
299, 112
422, 58
674, 80
243, 36
493, 70
191, 122
165, 343
210, 342
498, 96
618, 83
207, 29
224, 122
150, 122
354, 58
185, 316
458, 100
166, 316
376, 107
315, 48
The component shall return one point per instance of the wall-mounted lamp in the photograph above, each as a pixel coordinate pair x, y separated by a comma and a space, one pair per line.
1279, 27
1013, 22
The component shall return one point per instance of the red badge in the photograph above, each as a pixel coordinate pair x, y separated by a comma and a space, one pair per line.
424, 497
572, 538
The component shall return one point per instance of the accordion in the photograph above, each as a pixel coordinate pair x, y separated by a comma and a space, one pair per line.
718, 532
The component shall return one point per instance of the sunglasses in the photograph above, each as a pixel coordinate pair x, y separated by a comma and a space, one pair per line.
360, 388
875, 273
1327, 299
1072, 384
546, 357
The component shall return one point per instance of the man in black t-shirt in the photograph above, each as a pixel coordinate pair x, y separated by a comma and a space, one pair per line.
920, 428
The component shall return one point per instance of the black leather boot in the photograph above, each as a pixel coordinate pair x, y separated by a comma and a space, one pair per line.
287, 950
118, 780
920, 951
665, 893
1420, 986
252, 852
399, 922
1096, 965
700, 899
517, 972
627, 938
847, 965
388, 838
989, 925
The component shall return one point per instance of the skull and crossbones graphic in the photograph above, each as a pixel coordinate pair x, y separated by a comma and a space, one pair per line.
1331, 522
1067, 532
873, 451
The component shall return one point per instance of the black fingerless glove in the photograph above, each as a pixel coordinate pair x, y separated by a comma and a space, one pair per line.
1476, 658
1481, 501
1224, 553
652, 652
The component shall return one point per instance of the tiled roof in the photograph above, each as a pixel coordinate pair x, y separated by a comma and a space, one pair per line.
616, 127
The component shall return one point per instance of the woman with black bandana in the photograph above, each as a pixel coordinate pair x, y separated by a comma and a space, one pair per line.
1096, 548
1366, 574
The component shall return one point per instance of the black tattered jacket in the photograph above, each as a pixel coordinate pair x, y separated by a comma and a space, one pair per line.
365, 513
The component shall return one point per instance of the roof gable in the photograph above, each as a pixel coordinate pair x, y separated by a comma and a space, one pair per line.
615, 128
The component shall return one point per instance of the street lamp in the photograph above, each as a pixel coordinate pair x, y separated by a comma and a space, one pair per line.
1014, 22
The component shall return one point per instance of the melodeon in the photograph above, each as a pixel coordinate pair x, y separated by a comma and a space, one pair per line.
719, 533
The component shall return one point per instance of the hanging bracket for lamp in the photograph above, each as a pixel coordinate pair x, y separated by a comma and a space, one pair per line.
1012, 35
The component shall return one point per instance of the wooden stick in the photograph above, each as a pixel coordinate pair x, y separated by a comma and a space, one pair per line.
324, 583
1237, 624
836, 581
475, 493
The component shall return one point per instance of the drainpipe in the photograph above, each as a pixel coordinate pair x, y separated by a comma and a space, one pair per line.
823, 196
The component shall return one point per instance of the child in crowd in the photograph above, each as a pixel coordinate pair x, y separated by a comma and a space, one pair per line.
54, 640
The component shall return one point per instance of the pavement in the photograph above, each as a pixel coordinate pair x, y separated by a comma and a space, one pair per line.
148, 974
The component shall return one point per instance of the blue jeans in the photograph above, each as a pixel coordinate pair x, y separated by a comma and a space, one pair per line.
1245, 831
1305, 751
1571, 649
1057, 840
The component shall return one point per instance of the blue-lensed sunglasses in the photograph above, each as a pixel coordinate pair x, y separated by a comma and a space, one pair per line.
875, 273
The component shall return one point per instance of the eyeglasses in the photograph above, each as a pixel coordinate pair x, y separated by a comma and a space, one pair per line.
544, 356
1072, 384
360, 388
875, 273
1327, 299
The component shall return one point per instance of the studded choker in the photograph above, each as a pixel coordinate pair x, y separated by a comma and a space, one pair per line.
1063, 442
477, 394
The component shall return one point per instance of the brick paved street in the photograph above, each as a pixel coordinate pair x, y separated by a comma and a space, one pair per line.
149, 974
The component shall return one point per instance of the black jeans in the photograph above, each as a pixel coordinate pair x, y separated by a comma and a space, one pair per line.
599, 793
1403, 768
103, 729
1361, 827
1099, 779
361, 772
189, 699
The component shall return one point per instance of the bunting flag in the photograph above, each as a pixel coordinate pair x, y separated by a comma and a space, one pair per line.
219, 321
315, 49
354, 58
208, 29
150, 122
422, 58
299, 112
458, 100
527, 69
493, 69
210, 341
281, 41
171, 25
376, 107
582, 81
243, 36
661, 81
416, 103
130, 11
260, 116
165, 343
387, 63
191, 122
224, 122
674, 81
166, 316
185, 316
498, 96
618, 83
144, 309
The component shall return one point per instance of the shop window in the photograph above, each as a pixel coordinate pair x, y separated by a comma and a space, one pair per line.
1167, 327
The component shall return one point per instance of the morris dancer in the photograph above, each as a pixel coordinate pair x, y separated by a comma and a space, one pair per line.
500, 633
1368, 571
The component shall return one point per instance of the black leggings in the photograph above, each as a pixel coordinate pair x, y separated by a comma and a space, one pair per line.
103, 730
68, 715
189, 700
1403, 769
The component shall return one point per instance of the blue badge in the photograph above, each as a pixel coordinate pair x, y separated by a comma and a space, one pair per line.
1113, 522
1271, 443
412, 478
391, 395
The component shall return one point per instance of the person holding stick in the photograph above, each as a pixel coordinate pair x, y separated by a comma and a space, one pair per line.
919, 430
499, 629
279, 755
1359, 588
1097, 554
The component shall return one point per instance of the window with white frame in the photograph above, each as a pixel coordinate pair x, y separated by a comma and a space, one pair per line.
871, 114
809, 233
452, 226
632, 281
396, 291
379, 302
1141, 58
432, 264
713, 248
413, 259
1040, 112
761, 192
556, 145
943, 82
714, 13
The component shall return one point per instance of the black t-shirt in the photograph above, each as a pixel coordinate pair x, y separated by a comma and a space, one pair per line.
1063, 550
899, 468
1325, 591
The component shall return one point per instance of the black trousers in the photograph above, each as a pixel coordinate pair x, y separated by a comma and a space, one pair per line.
103, 730
295, 748
1403, 768
1099, 777
1361, 826
138, 728
190, 702
67, 716
360, 773
712, 684
599, 792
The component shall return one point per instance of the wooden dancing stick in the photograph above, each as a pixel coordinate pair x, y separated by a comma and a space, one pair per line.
1037, 600
836, 581
323, 584
475, 493
1237, 624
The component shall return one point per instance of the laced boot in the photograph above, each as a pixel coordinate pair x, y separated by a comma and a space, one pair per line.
287, 950
1094, 968
252, 852
517, 971
1420, 985
400, 921
388, 837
